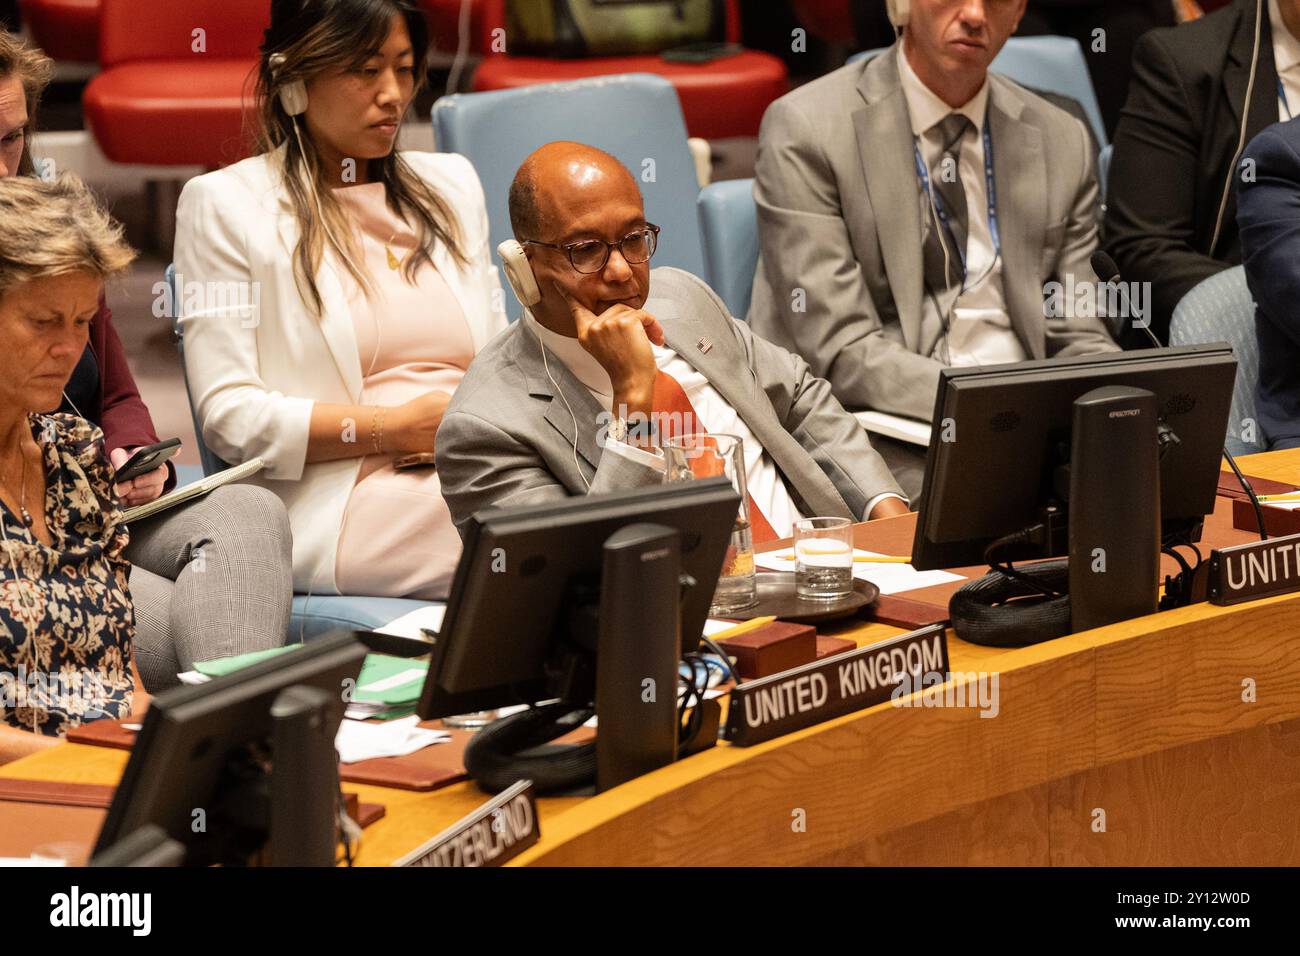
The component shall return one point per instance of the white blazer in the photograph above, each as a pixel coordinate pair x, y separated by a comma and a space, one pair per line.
257, 358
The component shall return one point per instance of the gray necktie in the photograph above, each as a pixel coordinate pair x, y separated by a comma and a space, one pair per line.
945, 181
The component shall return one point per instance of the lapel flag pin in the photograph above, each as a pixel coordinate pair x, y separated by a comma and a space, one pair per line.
704, 345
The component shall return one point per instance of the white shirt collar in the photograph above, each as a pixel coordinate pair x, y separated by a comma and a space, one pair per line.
1286, 48
577, 359
926, 108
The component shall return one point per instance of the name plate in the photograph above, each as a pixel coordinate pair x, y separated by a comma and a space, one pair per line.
498, 831
1254, 570
802, 696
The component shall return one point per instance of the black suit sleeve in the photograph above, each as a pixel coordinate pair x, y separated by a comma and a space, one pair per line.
1151, 197
1268, 214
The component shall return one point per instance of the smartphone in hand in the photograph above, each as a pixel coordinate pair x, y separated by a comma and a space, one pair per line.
147, 459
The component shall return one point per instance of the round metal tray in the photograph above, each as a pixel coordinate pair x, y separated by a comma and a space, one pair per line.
776, 597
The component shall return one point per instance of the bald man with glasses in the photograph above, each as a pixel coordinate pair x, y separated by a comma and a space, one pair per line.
573, 398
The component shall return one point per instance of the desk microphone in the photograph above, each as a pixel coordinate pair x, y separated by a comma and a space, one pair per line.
1108, 272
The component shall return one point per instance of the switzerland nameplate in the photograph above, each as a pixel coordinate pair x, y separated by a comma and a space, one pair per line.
806, 695
1254, 570
499, 830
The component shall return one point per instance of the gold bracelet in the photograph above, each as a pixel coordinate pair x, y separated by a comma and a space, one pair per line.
383, 415
374, 420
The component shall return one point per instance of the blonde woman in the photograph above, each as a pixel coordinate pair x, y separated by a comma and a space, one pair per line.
364, 288
67, 625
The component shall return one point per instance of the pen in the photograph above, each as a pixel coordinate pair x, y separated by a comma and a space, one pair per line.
1289, 496
744, 627
874, 559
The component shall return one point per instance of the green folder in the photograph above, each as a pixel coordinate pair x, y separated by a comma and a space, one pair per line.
222, 666
393, 682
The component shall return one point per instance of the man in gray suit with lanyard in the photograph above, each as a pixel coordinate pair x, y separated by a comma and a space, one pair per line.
552, 406
916, 211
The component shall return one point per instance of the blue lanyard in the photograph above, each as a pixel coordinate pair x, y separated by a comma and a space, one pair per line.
923, 175
1281, 95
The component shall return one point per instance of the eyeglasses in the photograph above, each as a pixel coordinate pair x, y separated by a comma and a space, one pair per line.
588, 256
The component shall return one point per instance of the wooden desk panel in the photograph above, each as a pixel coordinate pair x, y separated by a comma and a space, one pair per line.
1143, 720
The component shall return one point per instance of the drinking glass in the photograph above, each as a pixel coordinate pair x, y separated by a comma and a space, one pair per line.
705, 456
475, 720
823, 553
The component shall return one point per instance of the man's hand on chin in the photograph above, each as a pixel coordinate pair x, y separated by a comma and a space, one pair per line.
888, 508
619, 339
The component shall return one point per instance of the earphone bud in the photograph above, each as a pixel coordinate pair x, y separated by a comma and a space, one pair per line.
293, 96
519, 273
898, 11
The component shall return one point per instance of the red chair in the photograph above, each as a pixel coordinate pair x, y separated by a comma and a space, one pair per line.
720, 99
162, 101
64, 29
832, 20
444, 24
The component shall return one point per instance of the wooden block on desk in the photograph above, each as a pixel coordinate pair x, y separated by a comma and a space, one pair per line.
1230, 487
363, 813
829, 646
1279, 521
772, 648
105, 733
906, 613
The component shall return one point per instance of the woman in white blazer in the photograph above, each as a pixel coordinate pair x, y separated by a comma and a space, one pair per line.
331, 293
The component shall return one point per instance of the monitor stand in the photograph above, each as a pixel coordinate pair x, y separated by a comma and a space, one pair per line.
636, 663
1114, 508
279, 806
304, 779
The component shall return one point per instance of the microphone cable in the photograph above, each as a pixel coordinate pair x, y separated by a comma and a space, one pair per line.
1108, 271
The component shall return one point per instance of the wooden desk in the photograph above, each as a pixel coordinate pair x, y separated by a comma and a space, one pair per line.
1127, 745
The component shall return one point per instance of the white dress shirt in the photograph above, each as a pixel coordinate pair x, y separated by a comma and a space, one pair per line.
1286, 57
716, 416
979, 330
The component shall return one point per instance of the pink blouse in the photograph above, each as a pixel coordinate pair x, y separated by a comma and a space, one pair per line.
398, 539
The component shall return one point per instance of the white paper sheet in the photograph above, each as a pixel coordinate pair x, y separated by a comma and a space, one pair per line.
358, 741
410, 624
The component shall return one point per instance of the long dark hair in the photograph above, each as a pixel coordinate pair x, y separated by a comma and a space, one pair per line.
315, 36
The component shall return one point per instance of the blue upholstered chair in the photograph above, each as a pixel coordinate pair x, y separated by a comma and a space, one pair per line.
187, 474
1103, 169
313, 615
729, 227
1220, 309
211, 463
1054, 64
496, 130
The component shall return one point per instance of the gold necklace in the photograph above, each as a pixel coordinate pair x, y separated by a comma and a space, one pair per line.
393, 262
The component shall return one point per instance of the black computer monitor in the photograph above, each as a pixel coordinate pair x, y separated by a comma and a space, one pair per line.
1001, 434
521, 614
245, 762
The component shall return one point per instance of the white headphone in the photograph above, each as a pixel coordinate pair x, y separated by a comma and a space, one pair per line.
293, 96
519, 273
898, 11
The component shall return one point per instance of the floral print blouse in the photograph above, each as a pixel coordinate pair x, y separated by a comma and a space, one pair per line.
66, 620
